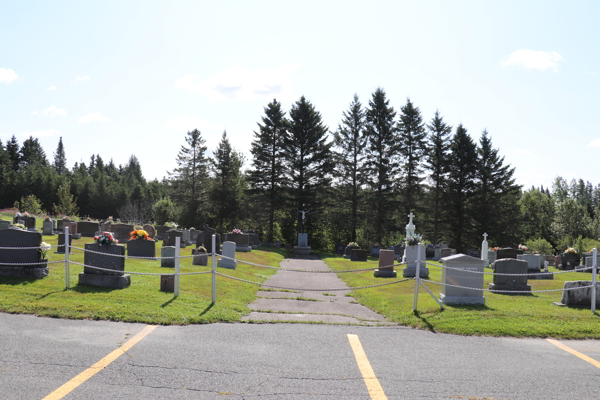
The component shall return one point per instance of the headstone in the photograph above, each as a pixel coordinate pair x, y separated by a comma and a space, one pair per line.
533, 261
167, 283
437, 254
228, 251
386, 264
579, 297
186, 235
60, 224
465, 271
399, 251
254, 240
170, 240
484, 250
375, 251
429, 252
28, 221
48, 227
589, 262
60, 243
447, 252
510, 283
557, 261
302, 248
194, 235
205, 239
161, 232
358, 255
4, 224
72, 225
508, 253
121, 231
169, 253
474, 253
141, 248
491, 256
410, 271
569, 261
87, 228
151, 231
200, 258
348, 251
106, 257
241, 240
21, 238
339, 248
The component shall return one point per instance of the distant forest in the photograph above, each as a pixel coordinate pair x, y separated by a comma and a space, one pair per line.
357, 182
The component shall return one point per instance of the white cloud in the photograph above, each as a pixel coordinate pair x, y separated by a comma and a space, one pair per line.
532, 59
38, 134
93, 117
238, 83
184, 123
594, 143
8, 76
51, 112
53, 87
81, 78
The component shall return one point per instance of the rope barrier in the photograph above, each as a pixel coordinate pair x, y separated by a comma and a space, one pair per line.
137, 257
35, 263
138, 273
503, 274
32, 248
507, 291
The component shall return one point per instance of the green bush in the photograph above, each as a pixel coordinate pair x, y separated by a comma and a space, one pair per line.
541, 246
164, 210
31, 204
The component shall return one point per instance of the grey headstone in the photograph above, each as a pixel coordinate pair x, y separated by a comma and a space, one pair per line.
375, 251
241, 240
589, 262
20, 238
579, 297
141, 248
167, 251
48, 228
491, 256
151, 231
508, 282
186, 235
88, 228
358, 255
466, 271
533, 261
410, 271
171, 237
104, 256
200, 258
508, 253
161, 232
228, 251
4, 224
60, 241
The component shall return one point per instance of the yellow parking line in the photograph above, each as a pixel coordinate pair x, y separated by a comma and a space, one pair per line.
574, 352
371, 381
99, 366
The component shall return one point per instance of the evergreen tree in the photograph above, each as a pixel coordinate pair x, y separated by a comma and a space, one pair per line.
309, 160
67, 205
350, 141
437, 161
412, 150
60, 158
267, 176
496, 194
32, 153
382, 163
12, 148
188, 179
226, 193
461, 187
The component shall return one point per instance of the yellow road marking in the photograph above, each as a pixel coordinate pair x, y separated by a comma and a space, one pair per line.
574, 352
99, 366
371, 381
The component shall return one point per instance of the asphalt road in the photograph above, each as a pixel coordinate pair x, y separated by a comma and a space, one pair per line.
284, 361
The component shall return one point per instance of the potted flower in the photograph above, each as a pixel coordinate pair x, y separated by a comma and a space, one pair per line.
139, 234
106, 238
44, 247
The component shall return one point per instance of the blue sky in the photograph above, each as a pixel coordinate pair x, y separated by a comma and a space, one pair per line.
132, 77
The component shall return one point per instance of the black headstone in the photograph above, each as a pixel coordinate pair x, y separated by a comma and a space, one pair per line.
108, 259
13, 237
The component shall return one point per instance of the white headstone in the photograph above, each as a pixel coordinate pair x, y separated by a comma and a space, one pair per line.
533, 261
465, 271
484, 249
229, 252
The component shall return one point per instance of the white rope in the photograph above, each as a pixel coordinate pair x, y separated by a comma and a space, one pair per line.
31, 248
138, 273
36, 263
503, 274
508, 291
138, 257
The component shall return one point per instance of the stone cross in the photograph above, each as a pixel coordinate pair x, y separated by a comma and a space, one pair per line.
484, 249
410, 231
303, 212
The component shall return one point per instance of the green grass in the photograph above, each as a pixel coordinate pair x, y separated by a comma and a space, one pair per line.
503, 315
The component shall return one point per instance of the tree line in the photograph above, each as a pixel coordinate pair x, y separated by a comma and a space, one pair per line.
357, 182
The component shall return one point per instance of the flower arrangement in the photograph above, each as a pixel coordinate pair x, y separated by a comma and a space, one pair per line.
26, 214
523, 247
139, 234
106, 238
18, 214
19, 226
201, 249
571, 250
65, 217
353, 244
236, 231
109, 220
47, 218
495, 248
171, 224
413, 240
44, 247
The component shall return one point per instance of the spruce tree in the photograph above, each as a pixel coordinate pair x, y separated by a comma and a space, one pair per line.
413, 140
67, 205
461, 188
226, 192
267, 176
309, 161
350, 140
12, 148
382, 163
60, 158
436, 161
32, 153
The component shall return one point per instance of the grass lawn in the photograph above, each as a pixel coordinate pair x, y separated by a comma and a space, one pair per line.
142, 301
503, 315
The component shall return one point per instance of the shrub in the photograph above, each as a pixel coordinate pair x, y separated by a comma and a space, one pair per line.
31, 204
541, 246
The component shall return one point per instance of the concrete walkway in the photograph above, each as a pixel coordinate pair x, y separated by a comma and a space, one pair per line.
296, 303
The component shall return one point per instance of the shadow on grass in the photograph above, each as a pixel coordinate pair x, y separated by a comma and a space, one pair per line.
425, 321
15, 280
92, 289
167, 302
207, 309
48, 294
467, 307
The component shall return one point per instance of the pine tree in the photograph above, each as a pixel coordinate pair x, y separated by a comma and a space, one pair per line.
461, 187
437, 160
60, 158
350, 141
267, 177
67, 205
496, 194
12, 148
32, 153
309, 160
188, 179
226, 193
382, 163
413, 140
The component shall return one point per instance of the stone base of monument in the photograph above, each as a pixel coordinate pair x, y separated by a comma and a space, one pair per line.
505, 289
411, 272
460, 300
167, 283
244, 249
302, 250
107, 281
384, 273
24, 272
226, 263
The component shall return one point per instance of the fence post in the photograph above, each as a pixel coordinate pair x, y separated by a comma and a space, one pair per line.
594, 269
177, 253
67, 251
214, 268
417, 279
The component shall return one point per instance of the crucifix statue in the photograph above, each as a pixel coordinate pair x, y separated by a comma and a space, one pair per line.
303, 212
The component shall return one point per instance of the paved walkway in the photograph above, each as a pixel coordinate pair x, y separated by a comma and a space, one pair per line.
299, 304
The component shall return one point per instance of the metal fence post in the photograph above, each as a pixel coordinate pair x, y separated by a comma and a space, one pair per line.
594, 269
177, 253
67, 251
214, 268
417, 279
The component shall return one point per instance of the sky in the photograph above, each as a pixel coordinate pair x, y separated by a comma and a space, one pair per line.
118, 78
